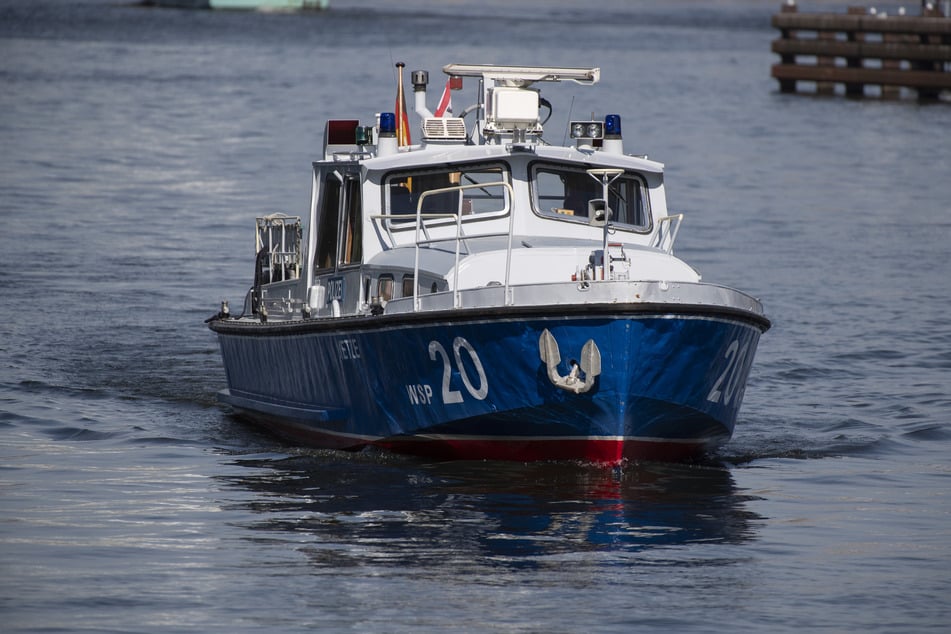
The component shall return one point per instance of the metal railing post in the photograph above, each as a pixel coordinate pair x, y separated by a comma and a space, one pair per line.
457, 296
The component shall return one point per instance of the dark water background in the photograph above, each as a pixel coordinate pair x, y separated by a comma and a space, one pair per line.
137, 146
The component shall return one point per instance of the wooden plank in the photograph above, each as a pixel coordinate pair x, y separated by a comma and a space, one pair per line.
866, 23
927, 80
868, 50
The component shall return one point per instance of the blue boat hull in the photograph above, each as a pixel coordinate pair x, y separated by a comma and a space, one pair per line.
669, 388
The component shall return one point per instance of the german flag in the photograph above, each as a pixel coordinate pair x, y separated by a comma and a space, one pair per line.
402, 119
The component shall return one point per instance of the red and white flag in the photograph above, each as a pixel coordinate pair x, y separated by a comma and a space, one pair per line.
445, 102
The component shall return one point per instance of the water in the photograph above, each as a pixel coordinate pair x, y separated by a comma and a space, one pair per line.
138, 145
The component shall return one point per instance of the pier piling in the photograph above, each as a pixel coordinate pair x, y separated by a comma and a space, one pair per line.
863, 49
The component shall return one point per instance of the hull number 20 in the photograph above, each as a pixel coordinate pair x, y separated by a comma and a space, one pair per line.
458, 345
728, 381
477, 386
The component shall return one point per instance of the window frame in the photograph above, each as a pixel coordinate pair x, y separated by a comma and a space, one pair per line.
381, 280
554, 168
402, 221
407, 284
328, 225
350, 223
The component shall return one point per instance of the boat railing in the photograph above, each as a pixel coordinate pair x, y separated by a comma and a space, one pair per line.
459, 238
277, 244
667, 228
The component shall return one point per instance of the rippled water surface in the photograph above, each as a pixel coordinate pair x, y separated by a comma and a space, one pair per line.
139, 144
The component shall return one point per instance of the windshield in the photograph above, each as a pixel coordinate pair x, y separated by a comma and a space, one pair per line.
564, 191
404, 189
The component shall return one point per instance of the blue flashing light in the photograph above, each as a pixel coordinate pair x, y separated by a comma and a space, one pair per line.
612, 125
387, 123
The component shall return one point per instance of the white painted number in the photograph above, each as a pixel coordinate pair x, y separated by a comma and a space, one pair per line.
735, 361
458, 344
450, 396
734, 381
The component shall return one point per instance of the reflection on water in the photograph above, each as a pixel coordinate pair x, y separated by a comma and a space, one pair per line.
390, 511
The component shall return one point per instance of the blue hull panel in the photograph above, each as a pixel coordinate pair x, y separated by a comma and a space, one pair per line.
670, 385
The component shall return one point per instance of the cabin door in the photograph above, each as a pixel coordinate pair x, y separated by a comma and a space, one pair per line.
339, 249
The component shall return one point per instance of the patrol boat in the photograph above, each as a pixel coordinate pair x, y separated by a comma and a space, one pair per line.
484, 294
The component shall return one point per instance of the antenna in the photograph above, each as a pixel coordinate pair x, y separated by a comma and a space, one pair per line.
564, 139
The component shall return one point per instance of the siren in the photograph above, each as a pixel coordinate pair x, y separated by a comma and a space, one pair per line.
613, 143
387, 124
387, 144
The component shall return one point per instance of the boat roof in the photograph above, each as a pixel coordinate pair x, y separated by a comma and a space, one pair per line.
442, 154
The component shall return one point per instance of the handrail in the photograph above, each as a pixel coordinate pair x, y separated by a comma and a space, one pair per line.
498, 234
385, 226
671, 236
457, 298
389, 232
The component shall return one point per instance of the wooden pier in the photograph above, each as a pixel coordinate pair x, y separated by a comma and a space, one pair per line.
864, 49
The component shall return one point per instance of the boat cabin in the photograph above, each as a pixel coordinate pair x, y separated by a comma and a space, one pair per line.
481, 205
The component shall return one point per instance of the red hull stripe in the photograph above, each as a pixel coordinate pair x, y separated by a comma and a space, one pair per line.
601, 449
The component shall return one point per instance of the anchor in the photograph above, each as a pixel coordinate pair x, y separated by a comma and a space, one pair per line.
590, 364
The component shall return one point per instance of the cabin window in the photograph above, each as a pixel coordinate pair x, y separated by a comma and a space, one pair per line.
327, 224
563, 192
403, 191
351, 243
407, 286
384, 288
